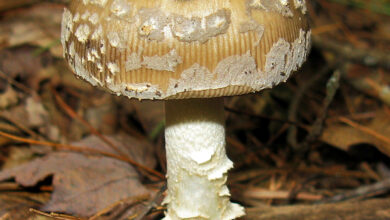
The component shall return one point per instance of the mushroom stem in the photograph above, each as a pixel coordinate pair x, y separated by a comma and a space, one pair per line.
197, 162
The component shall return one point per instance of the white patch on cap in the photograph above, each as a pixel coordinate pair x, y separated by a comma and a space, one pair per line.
66, 27
151, 23
82, 33
86, 15
252, 25
94, 18
72, 51
200, 28
80, 70
95, 54
120, 8
133, 62
242, 70
101, 3
113, 67
154, 24
276, 59
166, 62
301, 4
136, 90
280, 6
108, 80
113, 38
76, 17
98, 33
90, 57
99, 66
102, 46
284, 2
238, 70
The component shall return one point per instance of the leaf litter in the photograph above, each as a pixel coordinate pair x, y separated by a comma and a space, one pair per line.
85, 184
269, 174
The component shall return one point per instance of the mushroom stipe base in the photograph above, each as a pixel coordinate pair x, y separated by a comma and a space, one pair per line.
197, 162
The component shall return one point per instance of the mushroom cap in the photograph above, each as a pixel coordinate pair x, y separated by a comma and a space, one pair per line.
169, 49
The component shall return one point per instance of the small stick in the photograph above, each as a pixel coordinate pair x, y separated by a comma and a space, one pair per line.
55, 215
260, 193
361, 192
129, 201
152, 203
316, 129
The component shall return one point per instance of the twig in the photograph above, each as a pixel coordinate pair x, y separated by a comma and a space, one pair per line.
152, 203
361, 192
55, 215
83, 150
299, 187
129, 202
260, 193
294, 105
331, 88
250, 174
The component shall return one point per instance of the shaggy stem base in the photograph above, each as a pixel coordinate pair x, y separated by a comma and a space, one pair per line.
197, 162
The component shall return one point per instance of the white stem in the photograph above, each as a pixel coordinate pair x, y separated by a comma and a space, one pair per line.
197, 162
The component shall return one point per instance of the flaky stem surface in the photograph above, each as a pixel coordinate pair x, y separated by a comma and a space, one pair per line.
197, 162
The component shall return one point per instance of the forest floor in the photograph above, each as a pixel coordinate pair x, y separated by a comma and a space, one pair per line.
316, 147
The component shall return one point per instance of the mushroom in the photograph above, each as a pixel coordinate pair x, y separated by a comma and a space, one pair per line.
190, 53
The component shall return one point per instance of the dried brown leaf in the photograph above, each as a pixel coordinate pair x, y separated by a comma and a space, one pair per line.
344, 136
84, 184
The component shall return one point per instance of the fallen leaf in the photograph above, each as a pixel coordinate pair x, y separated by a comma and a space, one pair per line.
85, 184
344, 136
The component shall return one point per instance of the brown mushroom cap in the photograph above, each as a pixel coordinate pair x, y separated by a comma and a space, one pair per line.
166, 49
